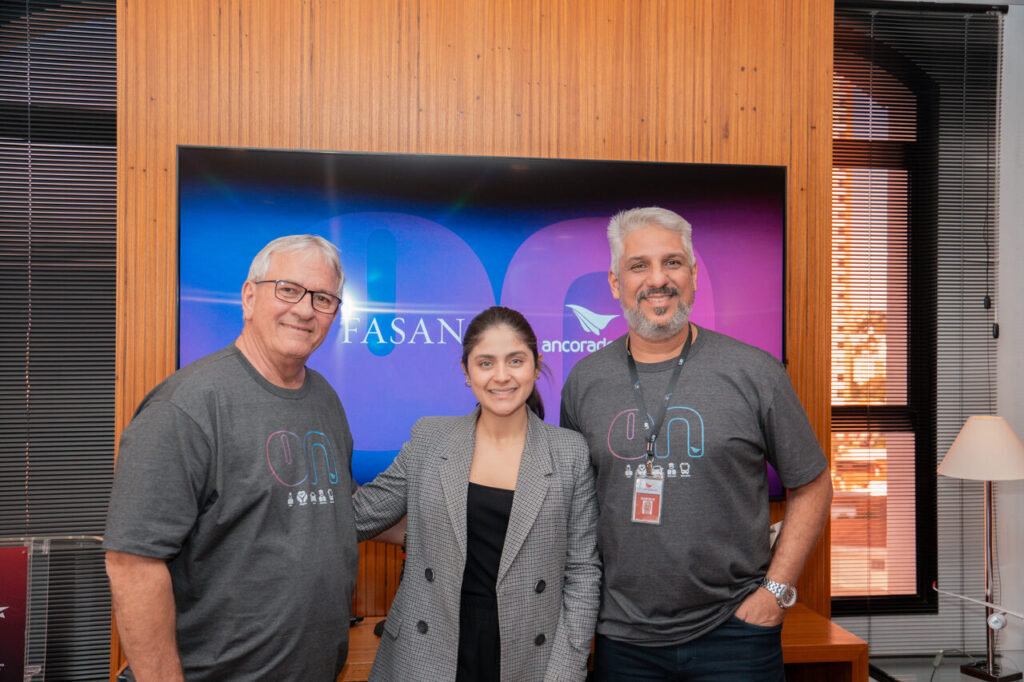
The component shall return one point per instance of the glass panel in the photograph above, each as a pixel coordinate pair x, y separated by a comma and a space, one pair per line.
869, 286
888, 114
873, 514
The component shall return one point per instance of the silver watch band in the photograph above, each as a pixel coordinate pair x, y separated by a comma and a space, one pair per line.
785, 595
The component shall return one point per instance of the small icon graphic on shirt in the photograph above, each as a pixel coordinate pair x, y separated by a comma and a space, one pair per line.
629, 472
321, 498
684, 469
291, 501
672, 473
312, 497
657, 471
330, 495
302, 498
590, 321
641, 470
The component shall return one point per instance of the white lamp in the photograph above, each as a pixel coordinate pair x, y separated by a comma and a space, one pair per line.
986, 449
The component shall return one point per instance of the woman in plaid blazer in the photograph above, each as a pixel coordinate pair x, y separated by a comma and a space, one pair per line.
544, 573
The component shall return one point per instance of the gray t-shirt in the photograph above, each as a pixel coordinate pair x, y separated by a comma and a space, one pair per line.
245, 489
733, 408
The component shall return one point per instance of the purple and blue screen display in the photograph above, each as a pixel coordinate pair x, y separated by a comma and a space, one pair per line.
427, 242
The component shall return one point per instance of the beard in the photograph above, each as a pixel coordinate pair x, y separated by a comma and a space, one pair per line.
654, 331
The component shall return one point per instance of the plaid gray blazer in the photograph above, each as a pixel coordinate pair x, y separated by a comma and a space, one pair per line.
549, 574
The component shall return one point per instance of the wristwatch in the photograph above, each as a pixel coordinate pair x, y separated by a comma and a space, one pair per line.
784, 594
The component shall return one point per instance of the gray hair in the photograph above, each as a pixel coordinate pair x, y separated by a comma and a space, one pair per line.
625, 222
290, 244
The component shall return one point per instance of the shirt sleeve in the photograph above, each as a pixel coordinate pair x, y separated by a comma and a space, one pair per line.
567, 414
160, 484
792, 447
383, 502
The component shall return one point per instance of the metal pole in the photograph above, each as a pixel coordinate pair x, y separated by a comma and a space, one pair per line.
990, 644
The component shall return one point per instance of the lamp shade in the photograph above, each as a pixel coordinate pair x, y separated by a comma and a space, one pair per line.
986, 449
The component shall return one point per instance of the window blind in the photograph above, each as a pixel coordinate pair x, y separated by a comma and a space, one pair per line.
57, 258
915, 136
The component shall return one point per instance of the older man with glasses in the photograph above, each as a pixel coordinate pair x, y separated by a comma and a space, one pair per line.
230, 540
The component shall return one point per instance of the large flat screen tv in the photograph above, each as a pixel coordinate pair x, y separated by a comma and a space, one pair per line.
429, 241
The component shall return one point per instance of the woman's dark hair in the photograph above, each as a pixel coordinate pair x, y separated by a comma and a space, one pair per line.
497, 316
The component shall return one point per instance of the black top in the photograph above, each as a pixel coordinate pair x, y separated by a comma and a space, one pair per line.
487, 512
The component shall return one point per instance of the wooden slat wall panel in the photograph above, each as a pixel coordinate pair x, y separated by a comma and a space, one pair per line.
379, 567
705, 81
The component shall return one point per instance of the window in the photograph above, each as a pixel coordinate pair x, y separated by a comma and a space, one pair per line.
882, 547
57, 258
915, 131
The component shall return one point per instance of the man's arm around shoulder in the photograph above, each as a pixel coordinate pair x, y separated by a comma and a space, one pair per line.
807, 508
143, 601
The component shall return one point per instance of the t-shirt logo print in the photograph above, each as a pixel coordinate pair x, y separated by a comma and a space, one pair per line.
295, 460
681, 438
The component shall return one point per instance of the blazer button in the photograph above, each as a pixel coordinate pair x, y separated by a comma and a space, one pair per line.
540, 639
429, 575
422, 627
540, 586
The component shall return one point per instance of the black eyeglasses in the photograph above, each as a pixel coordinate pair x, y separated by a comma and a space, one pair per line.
290, 292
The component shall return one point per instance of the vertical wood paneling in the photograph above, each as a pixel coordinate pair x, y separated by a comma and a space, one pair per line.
662, 80
809, 346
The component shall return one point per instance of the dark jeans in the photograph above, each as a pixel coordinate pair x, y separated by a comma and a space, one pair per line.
733, 652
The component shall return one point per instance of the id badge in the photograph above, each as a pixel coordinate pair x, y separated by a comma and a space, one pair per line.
647, 500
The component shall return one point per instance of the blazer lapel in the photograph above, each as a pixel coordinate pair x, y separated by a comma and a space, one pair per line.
456, 454
531, 488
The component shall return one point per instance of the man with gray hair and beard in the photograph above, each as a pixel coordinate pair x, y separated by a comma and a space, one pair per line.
680, 421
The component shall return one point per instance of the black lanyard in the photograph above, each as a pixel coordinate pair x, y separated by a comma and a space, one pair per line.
654, 428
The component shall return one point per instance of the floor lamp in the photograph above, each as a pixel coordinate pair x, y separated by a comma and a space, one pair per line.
986, 449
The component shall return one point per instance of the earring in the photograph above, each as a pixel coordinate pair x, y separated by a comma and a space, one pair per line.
467, 382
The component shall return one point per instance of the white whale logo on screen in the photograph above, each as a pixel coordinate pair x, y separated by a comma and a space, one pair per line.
589, 320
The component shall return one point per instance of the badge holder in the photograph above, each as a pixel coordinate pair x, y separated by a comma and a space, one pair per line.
647, 493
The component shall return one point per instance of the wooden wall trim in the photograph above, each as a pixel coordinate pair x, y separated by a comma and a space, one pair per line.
703, 81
